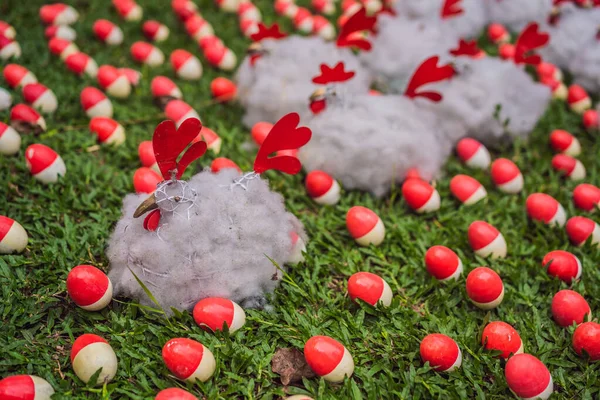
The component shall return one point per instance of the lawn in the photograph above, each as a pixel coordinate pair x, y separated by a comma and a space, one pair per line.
69, 224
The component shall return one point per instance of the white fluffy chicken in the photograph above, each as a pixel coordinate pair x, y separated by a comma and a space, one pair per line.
516, 14
274, 79
371, 142
496, 100
212, 235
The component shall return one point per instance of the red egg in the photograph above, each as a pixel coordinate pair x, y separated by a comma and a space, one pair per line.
507, 51
91, 353
10, 140
113, 82
62, 47
58, 14
579, 229
89, 287
586, 197
443, 263
44, 163
7, 30
128, 9
95, 103
528, 377
186, 65
108, 32
146, 154
155, 31
247, 10
188, 360
326, 7
13, 238
212, 313
569, 166
287, 8
303, 20
485, 288
544, 208
179, 111
578, 99
60, 31
9, 48
80, 63
370, 288
467, 190
198, 28
145, 180
248, 27
563, 142
24, 119
184, 8
497, 33
223, 89
108, 130
220, 56
501, 336
587, 338
213, 141
486, 240
562, 265
328, 358
40, 97
365, 226
559, 90
321, 187
25, 387
175, 394
132, 75
145, 53
420, 195
570, 307
161, 86
323, 28
548, 70
591, 120
260, 131
441, 352
17, 76
220, 163
506, 176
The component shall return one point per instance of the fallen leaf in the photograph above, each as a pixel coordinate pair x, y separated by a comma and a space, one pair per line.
290, 365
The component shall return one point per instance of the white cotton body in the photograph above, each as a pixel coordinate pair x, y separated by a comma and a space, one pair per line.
220, 251
516, 14
280, 82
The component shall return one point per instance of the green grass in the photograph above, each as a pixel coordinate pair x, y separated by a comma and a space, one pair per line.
69, 223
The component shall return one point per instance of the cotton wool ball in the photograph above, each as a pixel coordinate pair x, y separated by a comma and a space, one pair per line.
516, 14
216, 248
281, 80
5, 99
370, 142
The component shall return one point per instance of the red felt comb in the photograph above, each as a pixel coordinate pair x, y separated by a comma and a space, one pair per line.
451, 8
284, 135
529, 40
271, 32
428, 72
330, 75
356, 23
168, 143
466, 48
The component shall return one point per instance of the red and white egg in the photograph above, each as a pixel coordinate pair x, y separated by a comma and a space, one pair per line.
321, 187
40, 97
260, 131
586, 197
328, 358
107, 32
221, 163
145, 53
220, 56
562, 265
213, 141
145, 180
129, 10
10, 140
188, 359
161, 86
91, 353
107, 130
591, 120
580, 229
7, 30
179, 111
24, 118
174, 394
25, 387
570, 307
303, 20
443, 263
80, 64
223, 89
502, 337
365, 226
563, 142
370, 288
420, 195
213, 313
248, 11
186, 65
571, 167
95, 103
155, 31
62, 48
58, 14
485, 288
9, 48
89, 287
60, 31
230, 6
184, 9
506, 176
17, 76
586, 338
323, 28
198, 28
13, 238
44, 163
528, 377
497, 33
486, 240
467, 190
544, 208
441, 352
113, 82
147, 157
578, 99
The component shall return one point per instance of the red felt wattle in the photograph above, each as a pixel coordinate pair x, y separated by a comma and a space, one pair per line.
428, 72
356, 23
272, 32
285, 135
528, 41
466, 48
335, 74
168, 143
451, 8
151, 221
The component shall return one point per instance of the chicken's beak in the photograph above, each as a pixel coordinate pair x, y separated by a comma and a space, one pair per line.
317, 95
147, 205
256, 49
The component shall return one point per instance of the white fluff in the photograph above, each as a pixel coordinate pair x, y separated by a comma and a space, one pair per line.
370, 142
516, 14
220, 251
586, 66
5, 99
281, 81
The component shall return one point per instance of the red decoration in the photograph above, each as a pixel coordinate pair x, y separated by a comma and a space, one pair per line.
285, 135
168, 143
356, 23
271, 32
529, 40
151, 221
451, 8
428, 72
465, 48
335, 74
